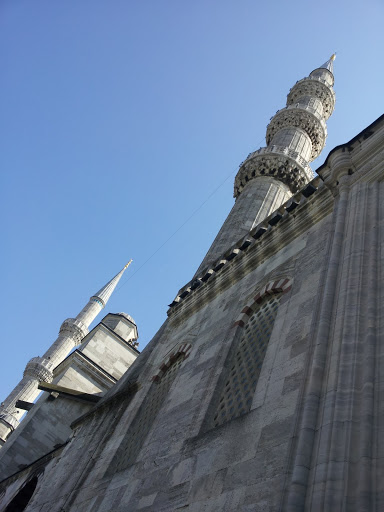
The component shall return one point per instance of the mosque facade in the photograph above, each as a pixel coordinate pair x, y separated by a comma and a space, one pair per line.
263, 390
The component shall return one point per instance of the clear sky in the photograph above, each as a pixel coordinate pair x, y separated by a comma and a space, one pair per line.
119, 119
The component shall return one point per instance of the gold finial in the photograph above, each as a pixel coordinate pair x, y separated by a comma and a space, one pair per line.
333, 57
127, 265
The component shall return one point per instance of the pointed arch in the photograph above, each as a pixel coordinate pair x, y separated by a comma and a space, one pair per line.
149, 409
237, 384
282, 285
182, 349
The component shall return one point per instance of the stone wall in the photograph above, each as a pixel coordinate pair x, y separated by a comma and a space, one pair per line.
181, 462
312, 439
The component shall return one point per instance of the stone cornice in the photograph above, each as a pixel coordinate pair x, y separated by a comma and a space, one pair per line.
122, 341
303, 210
111, 332
363, 153
88, 367
296, 216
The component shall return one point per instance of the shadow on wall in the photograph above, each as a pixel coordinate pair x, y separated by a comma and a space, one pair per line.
23, 497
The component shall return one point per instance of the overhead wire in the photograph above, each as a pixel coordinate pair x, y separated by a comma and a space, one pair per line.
132, 274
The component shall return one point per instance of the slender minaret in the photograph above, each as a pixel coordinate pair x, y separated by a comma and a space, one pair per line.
271, 175
38, 369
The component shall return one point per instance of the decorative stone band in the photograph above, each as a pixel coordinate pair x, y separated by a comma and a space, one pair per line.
305, 118
280, 166
39, 369
184, 348
316, 88
99, 301
283, 150
254, 237
75, 329
279, 286
9, 419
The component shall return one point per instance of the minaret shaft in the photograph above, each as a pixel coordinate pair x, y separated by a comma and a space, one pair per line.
90, 311
257, 201
268, 177
38, 369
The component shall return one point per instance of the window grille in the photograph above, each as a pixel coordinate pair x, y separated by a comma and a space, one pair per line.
143, 421
239, 388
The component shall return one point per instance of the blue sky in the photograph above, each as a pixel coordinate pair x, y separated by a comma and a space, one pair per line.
119, 119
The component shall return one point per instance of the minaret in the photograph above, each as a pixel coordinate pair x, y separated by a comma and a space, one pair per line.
38, 369
271, 175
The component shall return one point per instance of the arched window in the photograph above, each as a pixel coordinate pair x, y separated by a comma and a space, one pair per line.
246, 359
146, 415
23, 497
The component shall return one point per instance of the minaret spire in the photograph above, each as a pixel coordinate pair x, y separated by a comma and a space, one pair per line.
98, 301
107, 290
269, 176
329, 64
38, 369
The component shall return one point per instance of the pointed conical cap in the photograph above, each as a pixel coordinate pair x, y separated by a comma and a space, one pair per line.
329, 64
107, 290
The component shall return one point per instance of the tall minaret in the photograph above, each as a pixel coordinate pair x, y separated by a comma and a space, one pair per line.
40, 369
271, 175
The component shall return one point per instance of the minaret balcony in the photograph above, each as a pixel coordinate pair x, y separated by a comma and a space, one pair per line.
39, 369
282, 150
317, 88
74, 328
9, 419
278, 165
303, 117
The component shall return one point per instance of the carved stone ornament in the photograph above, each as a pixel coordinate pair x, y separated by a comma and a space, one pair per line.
315, 88
279, 166
73, 328
39, 369
304, 118
8, 418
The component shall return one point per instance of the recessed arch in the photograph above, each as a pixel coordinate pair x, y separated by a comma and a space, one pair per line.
237, 384
149, 409
282, 285
182, 349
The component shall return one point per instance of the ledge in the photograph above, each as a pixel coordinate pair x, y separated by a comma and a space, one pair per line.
253, 242
69, 393
254, 238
